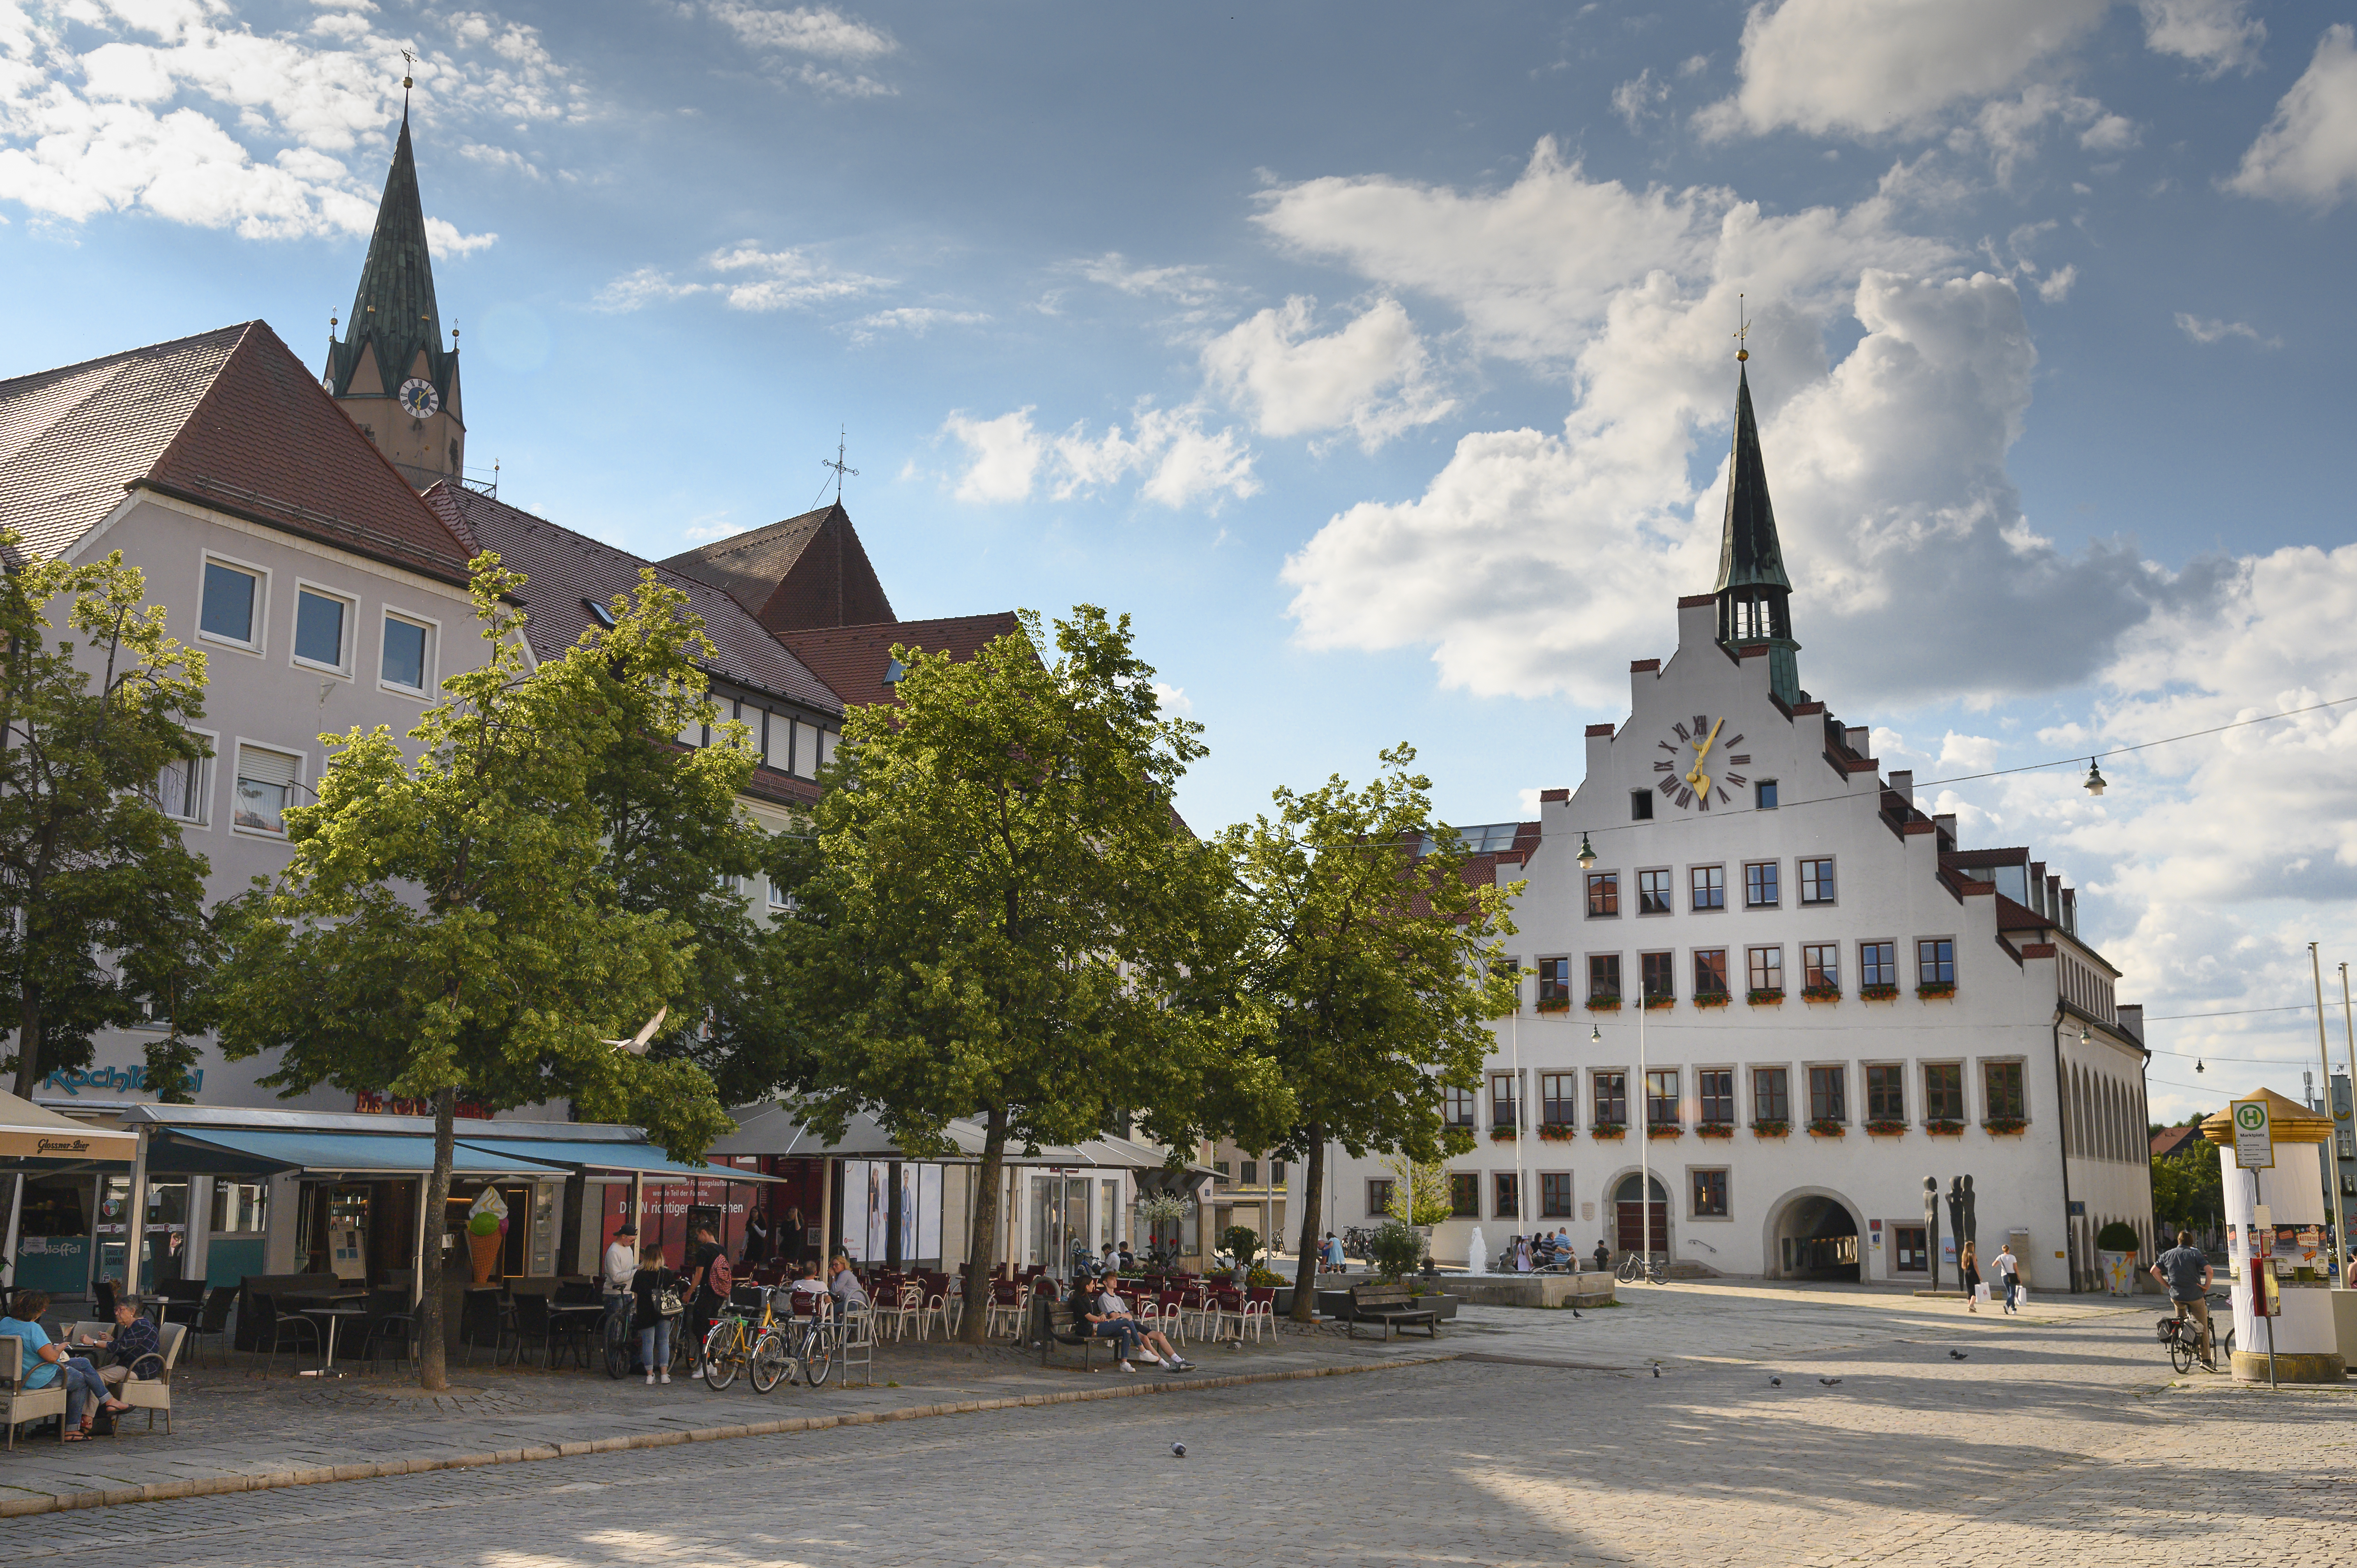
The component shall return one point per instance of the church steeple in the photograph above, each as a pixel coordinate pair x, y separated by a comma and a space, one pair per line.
391, 370
1754, 594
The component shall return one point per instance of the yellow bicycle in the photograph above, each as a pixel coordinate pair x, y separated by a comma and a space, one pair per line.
744, 1339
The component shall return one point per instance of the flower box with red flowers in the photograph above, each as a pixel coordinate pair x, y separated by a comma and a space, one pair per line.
1826, 1127
1771, 1127
1935, 988
1877, 992
1606, 1131
2003, 1125
1604, 1004
1945, 1129
1712, 999
1715, 1130
1555, 1003
1556, 1132
1501, 1135
1655, 1003
1821, 994
1665, 1130
1885, 1129
1764, 996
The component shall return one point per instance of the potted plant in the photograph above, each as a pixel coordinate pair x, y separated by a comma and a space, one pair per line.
2002, 1126
1771, 1127
1711, 999
1555, 1132
1715, 1130
1821, 994
1825, 1127
1608, 1131
1665, 1130
1764, 996
2116, 1246
1944, 1128
1504, 1134
1604, 1004
1932, 989
1555, 1003
1395, 1249
1886, 1128
1656, 1004
1877, 992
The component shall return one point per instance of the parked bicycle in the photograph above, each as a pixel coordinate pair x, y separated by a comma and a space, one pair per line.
729, 1345
1636, 1266
2181, 1337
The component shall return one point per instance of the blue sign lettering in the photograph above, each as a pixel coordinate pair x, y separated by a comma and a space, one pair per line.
115, 1079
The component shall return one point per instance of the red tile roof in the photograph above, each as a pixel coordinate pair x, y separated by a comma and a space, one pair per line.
228, 420
806, 572
564, 570
2174, 1140
854, 660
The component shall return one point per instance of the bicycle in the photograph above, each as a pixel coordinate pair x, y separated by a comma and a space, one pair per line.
808, 1342
1638, 1266
730, 1344
2181, 1338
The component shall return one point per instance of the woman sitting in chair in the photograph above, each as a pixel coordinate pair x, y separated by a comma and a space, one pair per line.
137, 1349
44, 1362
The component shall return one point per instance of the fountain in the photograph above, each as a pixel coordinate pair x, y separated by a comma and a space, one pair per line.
1477, 1262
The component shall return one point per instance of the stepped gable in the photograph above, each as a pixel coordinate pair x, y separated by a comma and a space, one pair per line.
804, 572
566, 571
228, 420
855, 661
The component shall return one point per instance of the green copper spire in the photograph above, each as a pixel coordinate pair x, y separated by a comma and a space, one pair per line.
1754, 594
394, 310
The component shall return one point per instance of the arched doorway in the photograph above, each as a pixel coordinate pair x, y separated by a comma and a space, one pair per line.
1629, 1229
1815, 1237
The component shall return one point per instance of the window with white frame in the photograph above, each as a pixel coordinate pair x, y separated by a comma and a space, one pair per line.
183, 787
323, 624
232, 606
406, 661
265, 788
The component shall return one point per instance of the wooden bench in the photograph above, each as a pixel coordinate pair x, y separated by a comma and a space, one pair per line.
1075, 1330
1393, 1307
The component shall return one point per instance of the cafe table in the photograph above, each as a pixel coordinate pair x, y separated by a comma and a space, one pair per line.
577, 1311
334, 1317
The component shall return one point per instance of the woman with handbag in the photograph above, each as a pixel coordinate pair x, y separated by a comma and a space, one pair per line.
1972, 1269
657, 1305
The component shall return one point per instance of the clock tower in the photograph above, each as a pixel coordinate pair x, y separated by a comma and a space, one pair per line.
1754, 595
390, 370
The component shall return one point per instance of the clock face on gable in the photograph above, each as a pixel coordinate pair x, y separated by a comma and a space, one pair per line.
1694, 773
418, 397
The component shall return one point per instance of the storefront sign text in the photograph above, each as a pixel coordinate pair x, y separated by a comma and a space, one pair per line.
116, 1079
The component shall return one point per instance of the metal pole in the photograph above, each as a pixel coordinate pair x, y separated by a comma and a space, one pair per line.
2349, 1030
1644, 1139
1514, 1042
2332, 1142
16, 1213
135, 1216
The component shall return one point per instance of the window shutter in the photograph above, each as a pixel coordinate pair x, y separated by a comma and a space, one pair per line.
267, 767
777, 748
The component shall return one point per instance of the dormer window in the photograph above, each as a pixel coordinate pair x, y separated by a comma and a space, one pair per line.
599, 613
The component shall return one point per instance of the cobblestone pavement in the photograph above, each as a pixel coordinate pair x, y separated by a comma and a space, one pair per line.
2056, 1439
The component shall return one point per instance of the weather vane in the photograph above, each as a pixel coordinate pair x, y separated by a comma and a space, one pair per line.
1742, 330
407, 60
837, 465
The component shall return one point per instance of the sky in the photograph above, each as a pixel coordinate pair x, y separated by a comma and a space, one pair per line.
1376, 358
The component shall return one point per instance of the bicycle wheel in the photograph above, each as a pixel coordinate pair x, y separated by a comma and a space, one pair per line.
619, 1350
770, 1362
1626, 1272
818, 1356
2181, 1352
724, 1353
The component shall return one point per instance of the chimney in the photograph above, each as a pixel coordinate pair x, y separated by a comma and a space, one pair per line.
2053, 910
2071, 911
1902, 779
2037, 885
2131, 1016
1856, 738
1946, 822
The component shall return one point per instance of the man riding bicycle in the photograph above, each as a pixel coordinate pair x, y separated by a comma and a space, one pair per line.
2186, 1272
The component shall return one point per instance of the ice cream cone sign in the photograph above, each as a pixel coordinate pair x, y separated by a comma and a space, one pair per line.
636, 1044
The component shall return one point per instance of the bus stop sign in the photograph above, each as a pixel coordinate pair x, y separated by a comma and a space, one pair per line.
2255, 1145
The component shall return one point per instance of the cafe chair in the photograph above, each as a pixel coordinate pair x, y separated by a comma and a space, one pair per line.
484, 1316
212, 1319
152, 1394
280, 1330
388, 1325
19, 1405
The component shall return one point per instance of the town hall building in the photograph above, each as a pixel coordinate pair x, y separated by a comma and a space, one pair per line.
1765, 990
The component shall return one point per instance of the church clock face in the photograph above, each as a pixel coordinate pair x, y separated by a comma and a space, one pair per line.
1694, 772
418, 397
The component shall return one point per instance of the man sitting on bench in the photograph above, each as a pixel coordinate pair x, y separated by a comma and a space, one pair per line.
1110, 1320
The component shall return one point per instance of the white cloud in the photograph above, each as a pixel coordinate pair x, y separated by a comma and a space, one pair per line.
749, 278
2211, 33
1634, 100
1174, 699
916, 320
1175, 460
1189, 286
2055, 287
1370, 376
1889, 468
820, 32
1871, 67
2111, 134
2308, 151
176, 110
1004, 454
2205, 331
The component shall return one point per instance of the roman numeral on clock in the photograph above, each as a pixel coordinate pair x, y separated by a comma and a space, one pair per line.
1740, 758
1682, 732
1736, 778
1685, 796
1703, 800
1701, 723
1664, 767
1669, 785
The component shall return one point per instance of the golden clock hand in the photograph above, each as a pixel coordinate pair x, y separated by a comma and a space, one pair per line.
1703, 752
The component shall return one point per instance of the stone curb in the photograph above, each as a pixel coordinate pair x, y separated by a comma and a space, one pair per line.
209, 1486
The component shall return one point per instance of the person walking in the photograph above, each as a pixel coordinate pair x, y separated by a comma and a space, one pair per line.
649, 1282
2008, 1269
1971, 1265
703, 1297
2186, 1272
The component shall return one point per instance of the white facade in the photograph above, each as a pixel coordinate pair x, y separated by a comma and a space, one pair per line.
1804, 853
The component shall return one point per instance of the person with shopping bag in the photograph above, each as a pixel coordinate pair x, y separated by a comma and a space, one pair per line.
1973, 1290
2008, 1274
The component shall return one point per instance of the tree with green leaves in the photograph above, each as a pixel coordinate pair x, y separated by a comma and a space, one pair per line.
1419, 1194
451, 922
103, 922
1369, 959
1002, 907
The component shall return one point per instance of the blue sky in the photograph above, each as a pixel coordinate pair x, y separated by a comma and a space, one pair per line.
1376, 357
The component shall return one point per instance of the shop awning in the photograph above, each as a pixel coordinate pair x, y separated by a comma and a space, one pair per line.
34, 1138
239, 1150
624, 1159
772, 1129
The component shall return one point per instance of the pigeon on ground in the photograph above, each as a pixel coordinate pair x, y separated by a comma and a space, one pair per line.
1657, 1372
1574, 1312
1829, 1382
1775, 1382
1955, 1354
1179, 1450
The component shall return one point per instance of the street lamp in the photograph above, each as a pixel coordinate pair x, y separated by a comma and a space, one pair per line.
2095, 783
1586, 855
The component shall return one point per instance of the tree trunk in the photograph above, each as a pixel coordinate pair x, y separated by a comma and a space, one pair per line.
1305, 1268
982, 1246
28, 1043
433, 1374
